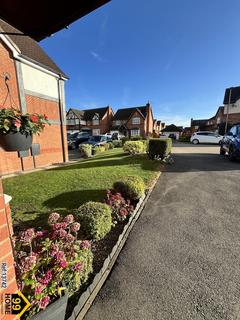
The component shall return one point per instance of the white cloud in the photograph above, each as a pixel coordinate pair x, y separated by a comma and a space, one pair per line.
96, 56
178, 120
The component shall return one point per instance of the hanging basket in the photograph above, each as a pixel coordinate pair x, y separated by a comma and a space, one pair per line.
15, 141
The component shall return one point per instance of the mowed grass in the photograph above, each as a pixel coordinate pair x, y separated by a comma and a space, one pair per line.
66, 188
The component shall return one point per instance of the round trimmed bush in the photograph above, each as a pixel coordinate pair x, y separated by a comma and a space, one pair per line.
85, 150
95, 219
131, 187
133, 147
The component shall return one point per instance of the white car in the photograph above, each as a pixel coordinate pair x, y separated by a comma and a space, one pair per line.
206, 137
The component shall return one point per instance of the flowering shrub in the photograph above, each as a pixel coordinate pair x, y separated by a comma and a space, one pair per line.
95, 219
12, 120
121, 208
48, 260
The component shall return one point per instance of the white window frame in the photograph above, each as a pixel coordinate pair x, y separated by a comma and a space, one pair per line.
136, 120
96, 132
135, 132
118, 122
95, 122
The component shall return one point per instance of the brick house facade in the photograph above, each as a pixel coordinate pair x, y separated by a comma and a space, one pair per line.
134, 121
31, 81
96, 121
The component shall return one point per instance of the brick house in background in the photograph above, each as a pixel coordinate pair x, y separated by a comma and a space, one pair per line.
36, 85
96, 121
136, 121
173, 130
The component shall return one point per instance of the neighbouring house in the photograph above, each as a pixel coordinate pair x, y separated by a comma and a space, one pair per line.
173, 131
136, 121
96, 121
32, 82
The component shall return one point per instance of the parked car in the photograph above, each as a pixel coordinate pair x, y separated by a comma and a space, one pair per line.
206, 137
76, 138
231, 143
97, 140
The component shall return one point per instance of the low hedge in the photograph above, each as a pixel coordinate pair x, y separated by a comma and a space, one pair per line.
159, 148
131, 187
95, 219
85, 150
117, 143
133, 147
98, 149
184, 139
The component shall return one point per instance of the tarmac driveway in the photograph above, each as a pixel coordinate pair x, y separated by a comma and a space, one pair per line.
182, 259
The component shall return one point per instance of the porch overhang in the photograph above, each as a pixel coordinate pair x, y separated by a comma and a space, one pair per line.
40, 19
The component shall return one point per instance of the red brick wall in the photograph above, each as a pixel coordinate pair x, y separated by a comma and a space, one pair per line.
141, 126
6, 251
50, 139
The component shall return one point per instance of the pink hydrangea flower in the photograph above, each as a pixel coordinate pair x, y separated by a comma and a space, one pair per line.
27, 235
69, 219
63, 263
53, 218
78, 267
85, 244
60, 255
38, 289
28, 263
46, 278
75, 227
70, 238
44, 302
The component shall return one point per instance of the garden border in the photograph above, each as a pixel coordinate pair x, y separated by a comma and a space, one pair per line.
88, 296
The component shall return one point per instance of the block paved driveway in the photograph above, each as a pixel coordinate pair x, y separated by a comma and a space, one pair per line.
182, 258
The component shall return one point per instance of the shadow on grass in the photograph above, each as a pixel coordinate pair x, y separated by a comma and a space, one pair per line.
107, 161
63, 203
71, 200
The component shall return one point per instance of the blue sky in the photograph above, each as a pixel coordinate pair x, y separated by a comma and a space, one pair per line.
179, 55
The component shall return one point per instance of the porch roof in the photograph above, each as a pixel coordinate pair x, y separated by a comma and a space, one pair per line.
40, 19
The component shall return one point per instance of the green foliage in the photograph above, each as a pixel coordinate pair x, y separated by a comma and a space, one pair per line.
111, 145
117, 143
98, 149
136, 138
86, 150
159, 148
145, 145
106, 146
133, 147
184, 139
131, 187
124, 139
95, 219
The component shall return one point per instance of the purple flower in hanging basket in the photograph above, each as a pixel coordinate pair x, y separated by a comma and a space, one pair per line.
78, 267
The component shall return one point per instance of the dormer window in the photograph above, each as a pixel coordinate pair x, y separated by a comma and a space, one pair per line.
118, 122
96, 119
136, 120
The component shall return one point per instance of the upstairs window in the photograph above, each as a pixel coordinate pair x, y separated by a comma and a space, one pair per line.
96, 119
136, 120
118, 122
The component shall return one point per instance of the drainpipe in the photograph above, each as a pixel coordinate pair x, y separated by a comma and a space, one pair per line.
61, 109
229, 101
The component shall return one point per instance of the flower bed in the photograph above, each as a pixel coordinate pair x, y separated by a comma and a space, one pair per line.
60, 257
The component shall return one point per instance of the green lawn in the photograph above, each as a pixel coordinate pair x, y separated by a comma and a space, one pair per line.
65, 189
